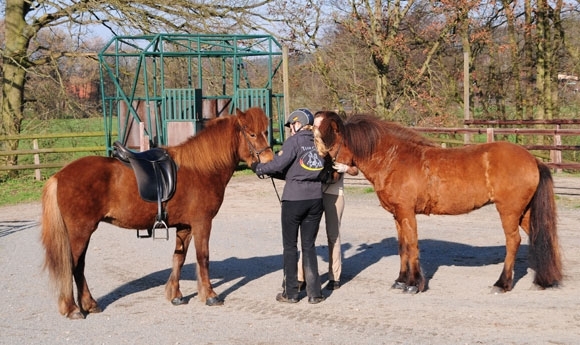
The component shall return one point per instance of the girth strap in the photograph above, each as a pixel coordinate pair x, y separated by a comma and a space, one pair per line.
156, 175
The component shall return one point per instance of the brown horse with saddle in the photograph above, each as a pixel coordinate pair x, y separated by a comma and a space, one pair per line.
95, 189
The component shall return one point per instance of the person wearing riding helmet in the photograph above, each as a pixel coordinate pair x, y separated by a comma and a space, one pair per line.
300, 164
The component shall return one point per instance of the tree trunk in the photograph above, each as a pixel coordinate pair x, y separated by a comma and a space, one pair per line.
557, 46
541, 59
515, 61
14, 66
529, 95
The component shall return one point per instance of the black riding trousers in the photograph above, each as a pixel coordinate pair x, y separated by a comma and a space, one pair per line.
303, 216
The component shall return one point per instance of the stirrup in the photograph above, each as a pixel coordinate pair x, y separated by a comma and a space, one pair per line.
160, 224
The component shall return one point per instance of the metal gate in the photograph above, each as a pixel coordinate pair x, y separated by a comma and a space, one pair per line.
165, 87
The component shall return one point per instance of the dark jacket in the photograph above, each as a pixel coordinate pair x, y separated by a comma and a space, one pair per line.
300, 163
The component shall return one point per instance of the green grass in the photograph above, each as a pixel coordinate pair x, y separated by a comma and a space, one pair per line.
62, 126
25, 188
20, 190
359, 189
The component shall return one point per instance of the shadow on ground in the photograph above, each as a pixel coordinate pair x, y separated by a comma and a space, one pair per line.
434, 254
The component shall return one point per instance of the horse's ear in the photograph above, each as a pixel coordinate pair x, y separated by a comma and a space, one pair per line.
334, 126
241, 118
329, 129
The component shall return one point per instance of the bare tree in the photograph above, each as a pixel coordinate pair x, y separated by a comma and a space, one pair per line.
26, 19
403, 38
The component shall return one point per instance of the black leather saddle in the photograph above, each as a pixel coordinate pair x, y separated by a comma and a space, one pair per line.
156, 175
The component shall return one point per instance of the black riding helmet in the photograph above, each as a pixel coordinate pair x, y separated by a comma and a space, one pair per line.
302, 115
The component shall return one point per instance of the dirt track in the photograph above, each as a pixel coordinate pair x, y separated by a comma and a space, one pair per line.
461, 255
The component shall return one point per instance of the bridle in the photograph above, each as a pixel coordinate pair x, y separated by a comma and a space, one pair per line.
256, 153
253, 151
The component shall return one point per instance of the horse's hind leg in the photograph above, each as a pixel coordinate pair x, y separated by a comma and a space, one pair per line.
172, 291
510, 222
79, 248
86, 300
525, 222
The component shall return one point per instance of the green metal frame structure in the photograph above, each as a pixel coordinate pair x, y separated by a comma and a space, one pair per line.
159, 83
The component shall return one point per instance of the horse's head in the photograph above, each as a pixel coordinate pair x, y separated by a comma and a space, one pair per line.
329, 138
254, 146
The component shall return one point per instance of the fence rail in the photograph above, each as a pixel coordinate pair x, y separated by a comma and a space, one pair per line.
490, 131
36, 151
556, 133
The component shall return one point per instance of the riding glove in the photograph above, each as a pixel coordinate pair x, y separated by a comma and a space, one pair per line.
340, 168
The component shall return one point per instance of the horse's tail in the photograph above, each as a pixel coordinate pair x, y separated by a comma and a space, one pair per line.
58, 255
544, 249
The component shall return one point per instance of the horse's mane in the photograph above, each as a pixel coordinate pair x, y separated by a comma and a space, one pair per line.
212, 149
364, 132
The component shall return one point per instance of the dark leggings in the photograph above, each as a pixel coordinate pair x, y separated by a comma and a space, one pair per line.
303, 216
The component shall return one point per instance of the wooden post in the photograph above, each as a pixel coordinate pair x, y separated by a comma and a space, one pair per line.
286, 88
466, 115
286, 81
490, 138
556, 155
143, 139
37, 174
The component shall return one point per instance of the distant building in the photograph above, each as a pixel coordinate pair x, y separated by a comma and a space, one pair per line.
82, 88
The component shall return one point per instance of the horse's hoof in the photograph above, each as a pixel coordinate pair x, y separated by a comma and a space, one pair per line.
213, 301
399, 286
95, 310
411, 289
76, 315
496, 290
178, 301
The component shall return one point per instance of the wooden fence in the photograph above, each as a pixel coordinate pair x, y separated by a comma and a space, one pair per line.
36, 151
555, 157
556, 132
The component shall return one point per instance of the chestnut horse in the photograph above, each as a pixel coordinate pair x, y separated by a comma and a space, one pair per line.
94, 189
412, 175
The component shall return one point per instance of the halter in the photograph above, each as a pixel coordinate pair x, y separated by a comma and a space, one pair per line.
253, 151
337, 151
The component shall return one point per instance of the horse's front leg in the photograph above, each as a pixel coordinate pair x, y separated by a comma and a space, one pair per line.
172, 291
204, 288
410, 275
401, 281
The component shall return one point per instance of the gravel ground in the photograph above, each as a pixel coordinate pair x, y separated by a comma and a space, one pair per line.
461, 255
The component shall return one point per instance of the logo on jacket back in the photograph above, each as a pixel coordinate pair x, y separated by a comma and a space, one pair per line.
310, 160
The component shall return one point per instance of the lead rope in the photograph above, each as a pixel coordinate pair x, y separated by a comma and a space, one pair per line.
276, 189
257, 154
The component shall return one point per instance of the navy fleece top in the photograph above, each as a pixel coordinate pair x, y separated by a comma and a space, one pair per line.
300, 163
